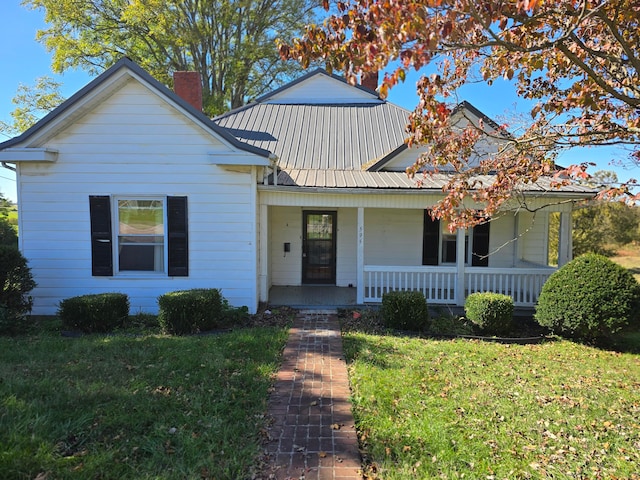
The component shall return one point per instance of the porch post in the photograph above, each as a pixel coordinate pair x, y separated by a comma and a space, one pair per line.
460, 251
565, 240
360, 258
264, 249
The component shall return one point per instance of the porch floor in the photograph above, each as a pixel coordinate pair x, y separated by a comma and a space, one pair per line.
312, 296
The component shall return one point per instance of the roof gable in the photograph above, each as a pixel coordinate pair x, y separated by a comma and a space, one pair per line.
104, 86
320, 87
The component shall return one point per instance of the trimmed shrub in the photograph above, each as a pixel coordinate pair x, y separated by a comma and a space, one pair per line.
95, 313
405, 310
16, 282
589, 298
491, 312
197, 310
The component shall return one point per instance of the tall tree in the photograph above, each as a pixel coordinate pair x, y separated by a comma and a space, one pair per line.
230, 42
32, 102
578, 60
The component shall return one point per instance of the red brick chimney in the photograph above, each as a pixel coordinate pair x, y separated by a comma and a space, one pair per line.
369, 80
188, 86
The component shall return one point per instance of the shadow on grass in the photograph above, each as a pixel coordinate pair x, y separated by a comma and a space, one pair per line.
135, 407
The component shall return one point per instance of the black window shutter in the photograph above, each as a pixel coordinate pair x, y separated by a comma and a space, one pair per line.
177, 237
480, 257
101, 239
430, 240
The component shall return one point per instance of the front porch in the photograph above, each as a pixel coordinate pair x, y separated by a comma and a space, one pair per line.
374, 250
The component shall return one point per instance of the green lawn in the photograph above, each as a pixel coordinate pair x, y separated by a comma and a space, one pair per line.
468, 409
113, 407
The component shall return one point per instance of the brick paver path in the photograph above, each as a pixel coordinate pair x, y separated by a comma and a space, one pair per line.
313, 434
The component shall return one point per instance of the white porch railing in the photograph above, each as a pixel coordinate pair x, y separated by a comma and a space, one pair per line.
521, 284
439, 284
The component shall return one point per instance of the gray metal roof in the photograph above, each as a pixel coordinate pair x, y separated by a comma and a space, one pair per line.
312, 178
320, 136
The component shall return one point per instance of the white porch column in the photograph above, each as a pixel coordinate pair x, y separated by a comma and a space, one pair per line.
565, 240
360, 258
263, 273
460, 251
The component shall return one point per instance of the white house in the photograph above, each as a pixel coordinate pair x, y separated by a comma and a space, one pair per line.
129, 187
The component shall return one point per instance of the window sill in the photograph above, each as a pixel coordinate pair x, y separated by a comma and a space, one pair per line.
139, 276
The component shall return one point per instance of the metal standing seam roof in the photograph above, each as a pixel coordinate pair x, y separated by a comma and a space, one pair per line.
320, 136
399, 180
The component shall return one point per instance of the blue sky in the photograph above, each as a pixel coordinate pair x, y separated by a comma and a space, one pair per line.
23, 59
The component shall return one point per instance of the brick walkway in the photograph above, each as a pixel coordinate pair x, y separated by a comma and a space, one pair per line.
313, 434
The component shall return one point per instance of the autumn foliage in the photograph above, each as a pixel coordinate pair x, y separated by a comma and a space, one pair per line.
578, 60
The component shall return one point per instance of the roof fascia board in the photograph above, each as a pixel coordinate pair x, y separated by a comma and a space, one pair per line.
387, 158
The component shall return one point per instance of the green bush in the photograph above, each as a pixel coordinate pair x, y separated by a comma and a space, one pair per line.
8, 234
96, 313
491, 312
405, 310
589, 298
16, 282
197, 310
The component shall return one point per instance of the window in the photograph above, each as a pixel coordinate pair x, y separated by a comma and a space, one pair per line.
439, 246
150, 233
140, 235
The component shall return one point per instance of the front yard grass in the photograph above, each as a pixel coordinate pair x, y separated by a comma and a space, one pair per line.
467, 409
136, 407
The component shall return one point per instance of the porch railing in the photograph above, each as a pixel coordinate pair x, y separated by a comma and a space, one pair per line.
521, 284
440, 284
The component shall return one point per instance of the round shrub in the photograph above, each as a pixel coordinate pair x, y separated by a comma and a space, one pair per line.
405, 310
491, 312
590, 297
16, 282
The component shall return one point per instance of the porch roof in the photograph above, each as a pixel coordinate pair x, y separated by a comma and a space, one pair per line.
311, 178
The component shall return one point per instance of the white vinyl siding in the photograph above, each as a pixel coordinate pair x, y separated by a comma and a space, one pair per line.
136, 144
392, 236
533, 230
285, 227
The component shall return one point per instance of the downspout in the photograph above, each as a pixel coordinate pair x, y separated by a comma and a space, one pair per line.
8, 167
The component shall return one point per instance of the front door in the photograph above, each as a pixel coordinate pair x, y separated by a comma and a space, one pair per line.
319, 247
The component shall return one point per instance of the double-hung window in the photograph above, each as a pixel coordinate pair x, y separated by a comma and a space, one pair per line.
439, 246
132, 234
141, 235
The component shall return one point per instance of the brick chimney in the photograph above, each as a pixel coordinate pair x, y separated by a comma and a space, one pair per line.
188, 86
369, 80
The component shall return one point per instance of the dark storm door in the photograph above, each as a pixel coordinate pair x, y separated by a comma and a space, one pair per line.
319, 247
